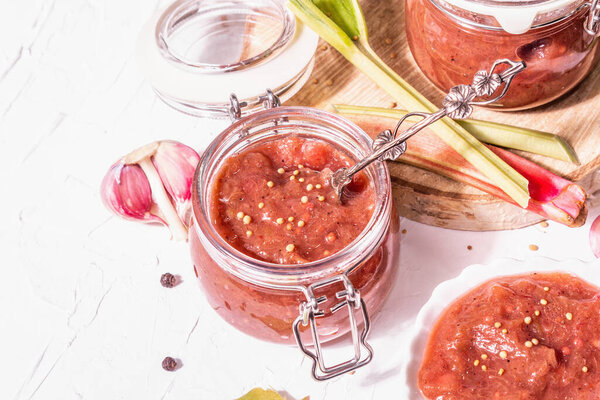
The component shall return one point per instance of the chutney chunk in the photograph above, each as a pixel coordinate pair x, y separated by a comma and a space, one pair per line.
280, 192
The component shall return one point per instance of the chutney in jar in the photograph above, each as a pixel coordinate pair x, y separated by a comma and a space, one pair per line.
273, 205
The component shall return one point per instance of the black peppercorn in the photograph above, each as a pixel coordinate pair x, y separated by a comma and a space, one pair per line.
169, 364
168, 280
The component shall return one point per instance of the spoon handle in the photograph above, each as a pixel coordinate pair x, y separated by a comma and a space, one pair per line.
458, 104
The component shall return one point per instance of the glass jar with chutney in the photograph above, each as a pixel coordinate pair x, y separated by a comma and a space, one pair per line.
277, 254
452, 39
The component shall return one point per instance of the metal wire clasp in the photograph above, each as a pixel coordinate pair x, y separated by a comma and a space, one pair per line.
592, 22
268, 100
309, 310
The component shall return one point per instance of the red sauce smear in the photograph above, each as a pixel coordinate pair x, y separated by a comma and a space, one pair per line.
274, 202
533, 336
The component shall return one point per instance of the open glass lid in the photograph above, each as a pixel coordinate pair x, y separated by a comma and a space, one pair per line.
196, 53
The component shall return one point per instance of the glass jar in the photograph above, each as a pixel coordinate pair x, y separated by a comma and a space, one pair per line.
195, 53
288, 303
452, 39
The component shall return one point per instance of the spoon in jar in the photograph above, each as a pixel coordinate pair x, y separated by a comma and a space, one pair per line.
458, 104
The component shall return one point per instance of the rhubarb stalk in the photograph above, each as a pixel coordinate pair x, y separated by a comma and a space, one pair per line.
502, 135
341, 23
552, 197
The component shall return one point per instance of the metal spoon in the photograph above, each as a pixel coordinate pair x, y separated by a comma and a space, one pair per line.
457, 105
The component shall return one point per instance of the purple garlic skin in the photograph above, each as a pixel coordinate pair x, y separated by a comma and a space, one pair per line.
153, 184
176, 165
126, 192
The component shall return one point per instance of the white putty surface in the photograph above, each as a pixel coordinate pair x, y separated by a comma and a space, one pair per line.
82, 313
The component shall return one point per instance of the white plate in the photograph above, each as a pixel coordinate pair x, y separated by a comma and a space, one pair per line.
447, 292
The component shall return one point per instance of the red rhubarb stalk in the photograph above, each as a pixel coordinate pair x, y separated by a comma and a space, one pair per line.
552, 196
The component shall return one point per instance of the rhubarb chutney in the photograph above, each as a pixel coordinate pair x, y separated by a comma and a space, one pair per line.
268, 225
453, 39
274, 202
534, 336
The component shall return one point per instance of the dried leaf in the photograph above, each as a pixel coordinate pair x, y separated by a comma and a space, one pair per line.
261, 394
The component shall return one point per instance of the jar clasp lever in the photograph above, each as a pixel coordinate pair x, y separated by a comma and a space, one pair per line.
309, 310
592, 22
268, 100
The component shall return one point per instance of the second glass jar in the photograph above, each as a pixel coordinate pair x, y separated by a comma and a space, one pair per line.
450, 44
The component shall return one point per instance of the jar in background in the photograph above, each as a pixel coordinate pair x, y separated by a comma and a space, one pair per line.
267, 300
452, 39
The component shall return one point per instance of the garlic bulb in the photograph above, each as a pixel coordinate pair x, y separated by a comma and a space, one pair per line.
153, 184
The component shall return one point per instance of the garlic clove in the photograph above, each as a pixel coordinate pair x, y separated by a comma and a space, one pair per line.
125, 190
595, 237
176, 165
153, 184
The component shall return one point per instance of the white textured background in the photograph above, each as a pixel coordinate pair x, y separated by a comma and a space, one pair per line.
82, 313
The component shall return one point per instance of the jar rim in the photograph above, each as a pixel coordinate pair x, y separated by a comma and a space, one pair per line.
511, 16
266, 273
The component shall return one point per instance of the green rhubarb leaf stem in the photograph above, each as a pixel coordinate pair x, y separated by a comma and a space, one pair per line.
512, 137
498, 171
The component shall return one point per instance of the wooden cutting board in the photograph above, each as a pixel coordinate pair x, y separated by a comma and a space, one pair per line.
424, 196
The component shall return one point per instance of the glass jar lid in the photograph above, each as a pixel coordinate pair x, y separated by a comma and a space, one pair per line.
512, 16
196, 53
